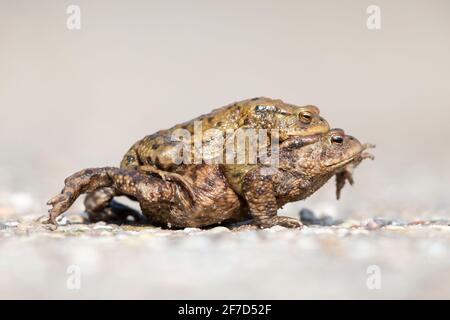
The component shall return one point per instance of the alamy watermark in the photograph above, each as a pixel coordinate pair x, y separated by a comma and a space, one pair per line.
73, 21
373, 281
73, 281
214, 146
374, 19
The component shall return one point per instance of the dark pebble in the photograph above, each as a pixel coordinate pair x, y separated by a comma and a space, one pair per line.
307, 217
381, 222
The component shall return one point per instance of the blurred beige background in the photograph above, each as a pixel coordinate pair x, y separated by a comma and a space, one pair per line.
76, 99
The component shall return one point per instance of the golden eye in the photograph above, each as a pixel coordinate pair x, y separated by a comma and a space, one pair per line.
337, 139
305, 117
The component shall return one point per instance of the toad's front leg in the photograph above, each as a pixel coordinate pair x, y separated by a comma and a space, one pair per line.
346, 174
260, 197
127, 182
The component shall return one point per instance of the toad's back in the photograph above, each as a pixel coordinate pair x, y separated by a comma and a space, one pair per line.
159, 149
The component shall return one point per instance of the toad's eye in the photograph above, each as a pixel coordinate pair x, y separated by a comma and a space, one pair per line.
305, 117
337, 139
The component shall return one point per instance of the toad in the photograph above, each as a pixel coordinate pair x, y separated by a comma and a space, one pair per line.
304, 166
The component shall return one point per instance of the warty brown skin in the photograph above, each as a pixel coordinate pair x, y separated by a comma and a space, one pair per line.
154, 153
303, 168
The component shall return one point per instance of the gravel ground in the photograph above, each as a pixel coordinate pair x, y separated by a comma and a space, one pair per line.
372, 259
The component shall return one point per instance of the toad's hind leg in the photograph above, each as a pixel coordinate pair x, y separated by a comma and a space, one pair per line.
127, 182
100, 206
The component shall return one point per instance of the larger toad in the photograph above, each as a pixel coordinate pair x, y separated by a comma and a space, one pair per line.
258, 113
158, 153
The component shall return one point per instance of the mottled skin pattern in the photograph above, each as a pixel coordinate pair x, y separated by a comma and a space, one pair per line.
304, 167
154, 154
258, 113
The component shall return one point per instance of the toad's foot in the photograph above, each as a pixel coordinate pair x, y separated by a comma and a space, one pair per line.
346, 175
74, 185
286, 222
170, 176
342, 177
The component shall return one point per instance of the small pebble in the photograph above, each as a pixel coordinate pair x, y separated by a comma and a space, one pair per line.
48, 227
377, 223
76, 219
218, 230
418, 222
191, 230
395, 228
372, 225
398, 222
381, 222
276, 229
62, 221
350, 224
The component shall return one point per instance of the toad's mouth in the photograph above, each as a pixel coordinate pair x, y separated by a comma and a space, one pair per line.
344, 162
361, 155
